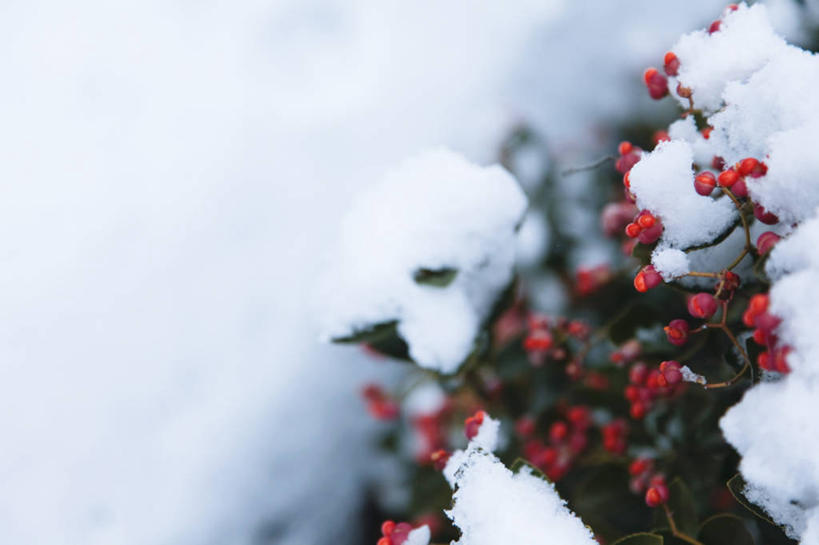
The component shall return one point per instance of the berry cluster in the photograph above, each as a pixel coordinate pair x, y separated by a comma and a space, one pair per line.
765, 323
645, 480
567, 439
647, 385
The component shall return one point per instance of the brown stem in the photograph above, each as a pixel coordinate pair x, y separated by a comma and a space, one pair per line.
745, 227
702, 274
746, 366
674, 530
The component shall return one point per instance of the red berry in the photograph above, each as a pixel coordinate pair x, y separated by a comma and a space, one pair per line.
638, 373
704, 183
671, 64
706, 133
538, 341
558, 432
579, 416
764, 216
677, 332
625, 147
439, 458
702, 305
766, 241
647, 278
671, 372
714, 27
387, 527
639, 465
473, 423
656, 83
656, 496
746, 166
384, 541
727, 178
637, 411
632, 230
660, 136
646, 221
717, 163
525, 426
739, 189
651, 234
684, 92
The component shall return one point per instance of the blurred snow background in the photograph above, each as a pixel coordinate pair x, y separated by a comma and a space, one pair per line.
172, 174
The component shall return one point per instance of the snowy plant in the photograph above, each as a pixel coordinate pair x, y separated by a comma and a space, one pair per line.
666, 392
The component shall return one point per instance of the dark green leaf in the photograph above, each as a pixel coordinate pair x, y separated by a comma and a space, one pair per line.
736, 485
640, 539
725, 529
521, 463
682, 507
369, 334
439, 278
642, 252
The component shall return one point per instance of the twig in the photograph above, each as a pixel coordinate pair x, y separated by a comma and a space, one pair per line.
600, 162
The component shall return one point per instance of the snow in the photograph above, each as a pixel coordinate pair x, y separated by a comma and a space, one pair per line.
419, 536
663, 182
670, 263
782, 412
434, 212
690, 376
745, 42
492, 504
172, 172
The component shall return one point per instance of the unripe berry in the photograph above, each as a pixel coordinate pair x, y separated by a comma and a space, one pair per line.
764, 216
702, 305
684, 92
677, 332
656, 83
704, 183
727, 178
766, 241
671, 64
647, 278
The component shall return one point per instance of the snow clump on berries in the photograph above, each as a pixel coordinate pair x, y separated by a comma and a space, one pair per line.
492, 504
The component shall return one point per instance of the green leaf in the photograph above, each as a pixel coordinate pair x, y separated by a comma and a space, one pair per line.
521, 463
682, 507
369, 334
640, 539
724, 529
736, 485
438, 278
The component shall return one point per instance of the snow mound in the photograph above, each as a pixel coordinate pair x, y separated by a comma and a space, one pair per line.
493, 504
436, 215
785, 481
